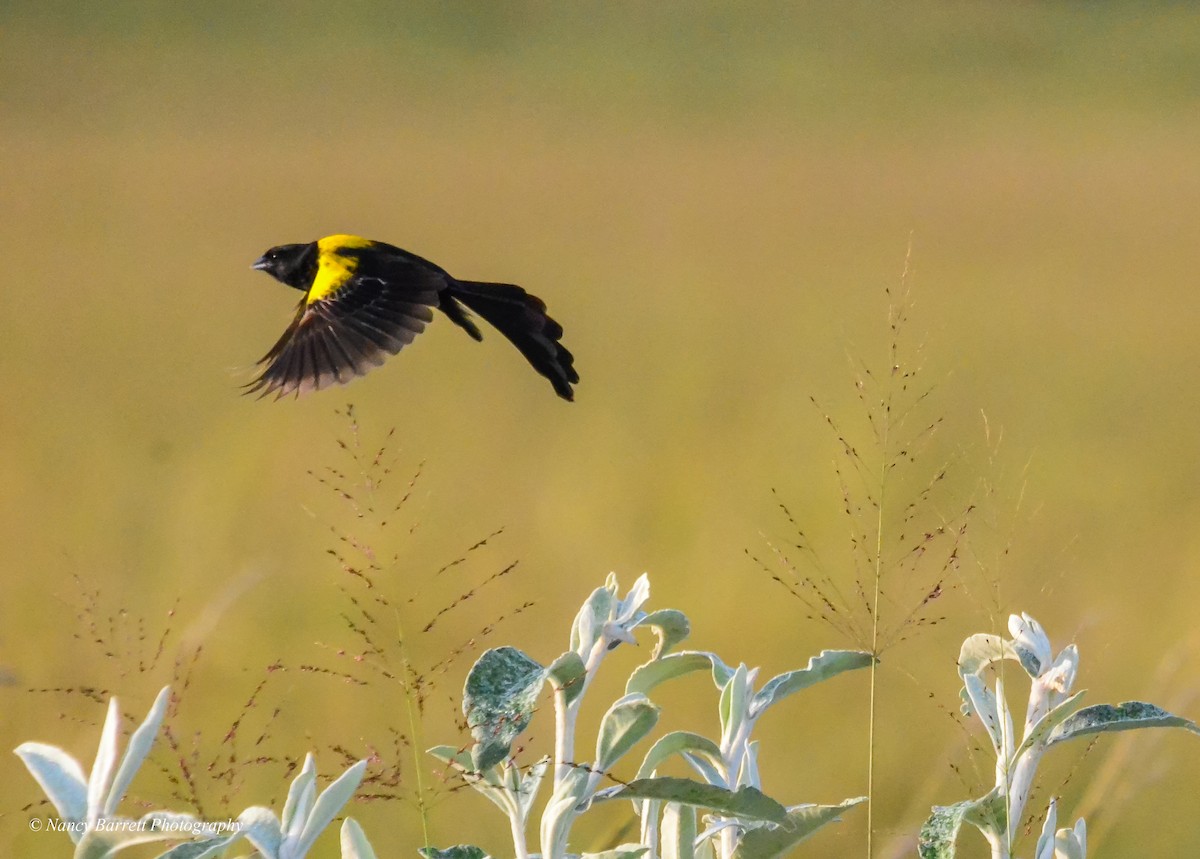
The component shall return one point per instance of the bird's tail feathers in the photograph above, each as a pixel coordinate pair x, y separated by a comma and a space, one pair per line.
520, 317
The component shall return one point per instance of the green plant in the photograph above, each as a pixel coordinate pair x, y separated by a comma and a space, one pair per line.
87, 807
1050, 719
501, 694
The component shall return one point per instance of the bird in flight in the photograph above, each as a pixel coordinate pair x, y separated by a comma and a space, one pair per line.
365, 300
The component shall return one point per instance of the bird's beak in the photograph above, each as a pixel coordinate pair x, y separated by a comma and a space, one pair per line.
261, 264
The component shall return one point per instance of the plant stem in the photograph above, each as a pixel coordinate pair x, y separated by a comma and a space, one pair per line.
885, 431
518, 836
874, 665
564, 735
415, 734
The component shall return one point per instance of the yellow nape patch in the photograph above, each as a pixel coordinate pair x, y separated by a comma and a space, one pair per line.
334, 267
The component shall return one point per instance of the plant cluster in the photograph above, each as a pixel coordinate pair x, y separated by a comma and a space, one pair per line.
723, 813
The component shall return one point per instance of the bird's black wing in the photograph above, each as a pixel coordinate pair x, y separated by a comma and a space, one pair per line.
373, 315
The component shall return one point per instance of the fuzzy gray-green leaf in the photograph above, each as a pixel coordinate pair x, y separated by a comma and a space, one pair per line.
1048, 724
354, 841
734, 706
329, 804
1126, 716
625, 723
986, 707
498, 700
490, 782
771, 841
590, 620
301, 793
745, 802
940, 831
981, 650
458, 851
262, 829
122, 832
829, 663
621, 851
670, 625
681, 743
208, 848
646, 677
678, 832
61, 778
98, 845
568, 673
105, 765
531, 780
137, 750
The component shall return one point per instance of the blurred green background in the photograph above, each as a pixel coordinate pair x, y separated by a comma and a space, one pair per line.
712, 198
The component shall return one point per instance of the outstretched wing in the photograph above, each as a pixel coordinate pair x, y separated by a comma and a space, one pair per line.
350, 332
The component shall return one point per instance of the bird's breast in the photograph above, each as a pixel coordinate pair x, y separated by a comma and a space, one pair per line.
336, 264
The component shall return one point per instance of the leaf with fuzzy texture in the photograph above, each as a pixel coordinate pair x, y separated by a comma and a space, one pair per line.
458, 851
592, 616
499, 699
1046, 725
489, 782
625, 723
103, 769
991, 710
568, 673
208, 848
328, 805
746, 802
301, 793
61, 778
622, 851
670, 625
678, 838
527, 790
734, 706
771, 841
940, 831
646, 677
1127, 716
354, 841
122, 832
137, 750
681, 743
829, 663
261, 828
981, 650
561, 810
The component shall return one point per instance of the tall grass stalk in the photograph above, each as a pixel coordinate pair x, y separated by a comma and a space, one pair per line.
905, 536
398, 614
895, 316
412, 707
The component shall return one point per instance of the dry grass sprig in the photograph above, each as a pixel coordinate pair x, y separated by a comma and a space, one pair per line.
395, 614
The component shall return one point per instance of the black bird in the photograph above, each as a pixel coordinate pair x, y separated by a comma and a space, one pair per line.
365, 300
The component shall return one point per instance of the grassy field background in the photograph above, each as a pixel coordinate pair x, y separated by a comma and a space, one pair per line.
712, 198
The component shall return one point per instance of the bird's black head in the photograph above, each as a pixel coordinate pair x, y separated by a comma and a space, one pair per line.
295, 265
